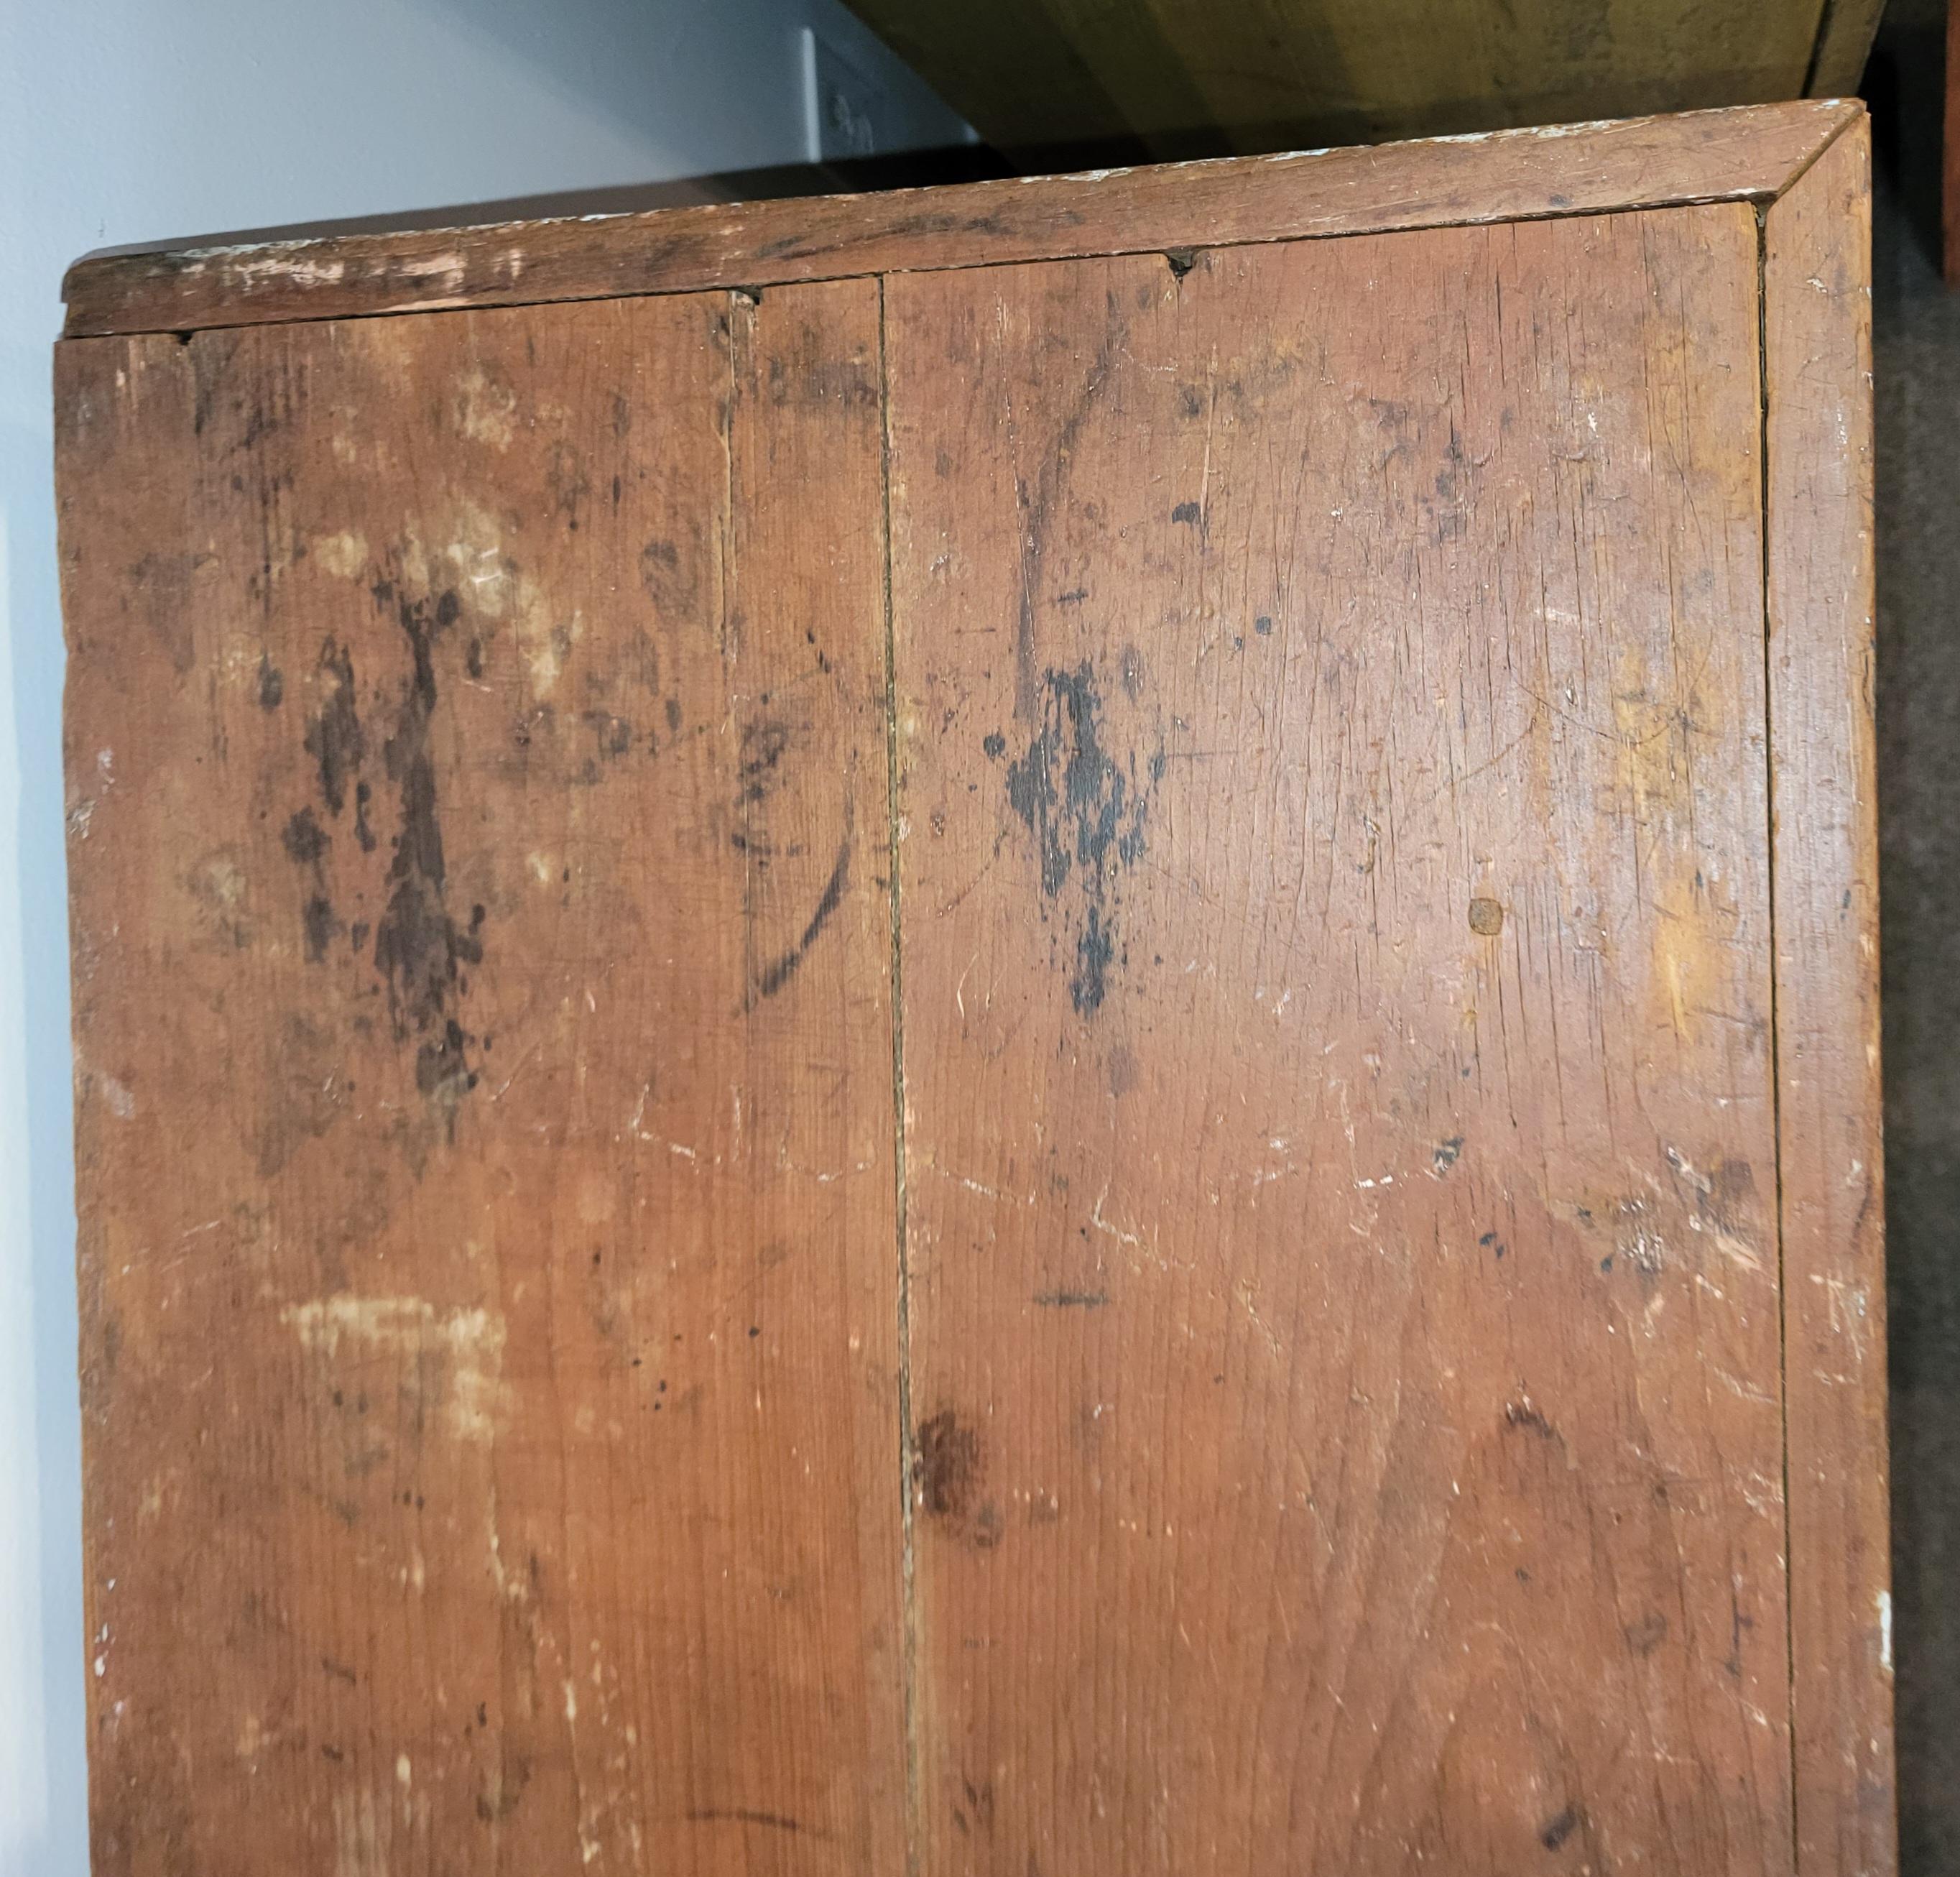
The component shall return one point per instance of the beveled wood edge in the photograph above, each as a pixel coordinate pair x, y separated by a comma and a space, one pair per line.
1818, 598
1741, 153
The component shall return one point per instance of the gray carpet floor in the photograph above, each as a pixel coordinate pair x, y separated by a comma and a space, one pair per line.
1917, 368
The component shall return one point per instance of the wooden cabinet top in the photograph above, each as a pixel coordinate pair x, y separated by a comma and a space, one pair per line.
1747, 154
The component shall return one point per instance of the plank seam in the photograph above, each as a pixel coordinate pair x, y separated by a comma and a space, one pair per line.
907, 1565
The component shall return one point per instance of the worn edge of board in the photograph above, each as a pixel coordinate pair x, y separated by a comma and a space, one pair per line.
1742, 153
1819, 610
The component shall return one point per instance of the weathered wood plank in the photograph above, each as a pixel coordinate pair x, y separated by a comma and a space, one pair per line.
1737, 155
1340, 1160
477, 798
1817, 326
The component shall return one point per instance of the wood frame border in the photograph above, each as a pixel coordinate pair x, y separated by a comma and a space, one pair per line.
1748, 153
1818, 609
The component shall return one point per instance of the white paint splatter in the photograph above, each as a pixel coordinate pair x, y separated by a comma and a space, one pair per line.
472, 1340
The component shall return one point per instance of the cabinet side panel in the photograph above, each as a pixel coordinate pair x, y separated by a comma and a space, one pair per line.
477, 791
1817, 322
1340, 1152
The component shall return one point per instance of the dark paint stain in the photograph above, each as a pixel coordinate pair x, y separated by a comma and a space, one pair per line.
1188, 512
419, 949
673, 715
363, 794
1448, 519
321, 928
612, 736
1721, 1194
272, 684
306, 1092
743, 1815
305, 840
995, 745
810, 373
665, 581
1181, 260
1072, 1299
775, 976
1647, 1635
1558, 1830
1095, 952
1088, 815
1446, 1153
763, 745
980, 1801
1523, 1414
946, 1464
164, 581
1263, 625
569, 485
335, 739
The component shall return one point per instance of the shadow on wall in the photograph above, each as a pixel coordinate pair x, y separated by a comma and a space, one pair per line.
1916, 368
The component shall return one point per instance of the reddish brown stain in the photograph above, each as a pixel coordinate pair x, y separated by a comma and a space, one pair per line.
945, 1465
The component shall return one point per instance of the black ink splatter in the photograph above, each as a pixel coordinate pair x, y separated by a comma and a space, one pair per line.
1087, 814
419, 949
335, 739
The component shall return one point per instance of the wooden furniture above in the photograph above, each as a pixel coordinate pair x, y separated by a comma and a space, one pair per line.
1019, 1030
1180, 79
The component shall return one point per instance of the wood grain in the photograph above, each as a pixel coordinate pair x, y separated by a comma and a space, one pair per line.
1817, 326
1184, 75
1742, 154
1340, 1154
477, 756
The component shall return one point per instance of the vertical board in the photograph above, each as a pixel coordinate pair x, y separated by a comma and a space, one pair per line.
478, 765
1817, 326
1340, 1156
